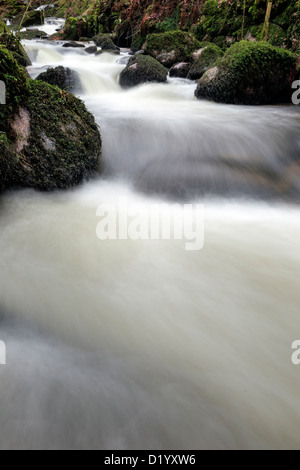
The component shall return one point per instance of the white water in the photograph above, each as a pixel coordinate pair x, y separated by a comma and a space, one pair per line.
126, 344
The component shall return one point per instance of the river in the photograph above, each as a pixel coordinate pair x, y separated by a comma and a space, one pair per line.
124, 344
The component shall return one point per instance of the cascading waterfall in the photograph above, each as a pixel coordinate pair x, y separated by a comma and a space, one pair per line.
141, 344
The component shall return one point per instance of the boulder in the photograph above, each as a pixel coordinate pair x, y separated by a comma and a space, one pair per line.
250, 73
171, 48
105, 42
33, 34
31, 18
64, 78
141, 69
48, 139
180, 70
73, 44
206, 57
91, 49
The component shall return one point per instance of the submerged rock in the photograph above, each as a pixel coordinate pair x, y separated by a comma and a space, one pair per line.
141, 69
64, 78
171, 48
48, 139
250, 73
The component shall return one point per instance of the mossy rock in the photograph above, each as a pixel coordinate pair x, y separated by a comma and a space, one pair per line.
32, 34
79, 27
180, 70
31, 18
142, 69
64, 78
13, 44
105, 42
171, 47
48, 139
276, 35
207, 57
137, 43
250, 73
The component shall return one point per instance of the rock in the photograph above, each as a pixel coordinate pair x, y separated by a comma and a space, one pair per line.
91, 50
180, 70
83, 39
31, 18
13, 44
32, 34
171, 48
250, 73
142, 69
206, 57
48, 139
137, 43
64, 78
105, 42
73, 44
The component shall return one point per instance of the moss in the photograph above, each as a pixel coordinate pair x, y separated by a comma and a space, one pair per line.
14, 78
183, 42
142, 69
250, 73
31, 18
137, 42
105, 41
206, 60
36, 33
13, 44
64, 78
276, 35
59, 118
63, 144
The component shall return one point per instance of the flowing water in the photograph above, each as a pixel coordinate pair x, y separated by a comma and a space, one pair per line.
122, 344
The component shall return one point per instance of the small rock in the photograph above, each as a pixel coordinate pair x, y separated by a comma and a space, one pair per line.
180, 70
73, 44
91, 50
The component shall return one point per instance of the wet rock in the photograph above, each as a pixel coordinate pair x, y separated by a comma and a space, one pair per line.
171, 48
91, 50
180, 70
206, 57
73, 44
141, 69
48, 139
64, 78
250, 73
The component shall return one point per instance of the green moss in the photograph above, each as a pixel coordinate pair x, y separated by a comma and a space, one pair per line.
250, 73
206, 60
36, 33
13, 44
142, 69
179, 40
64, 143
14, 78
137, 42
57, 117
